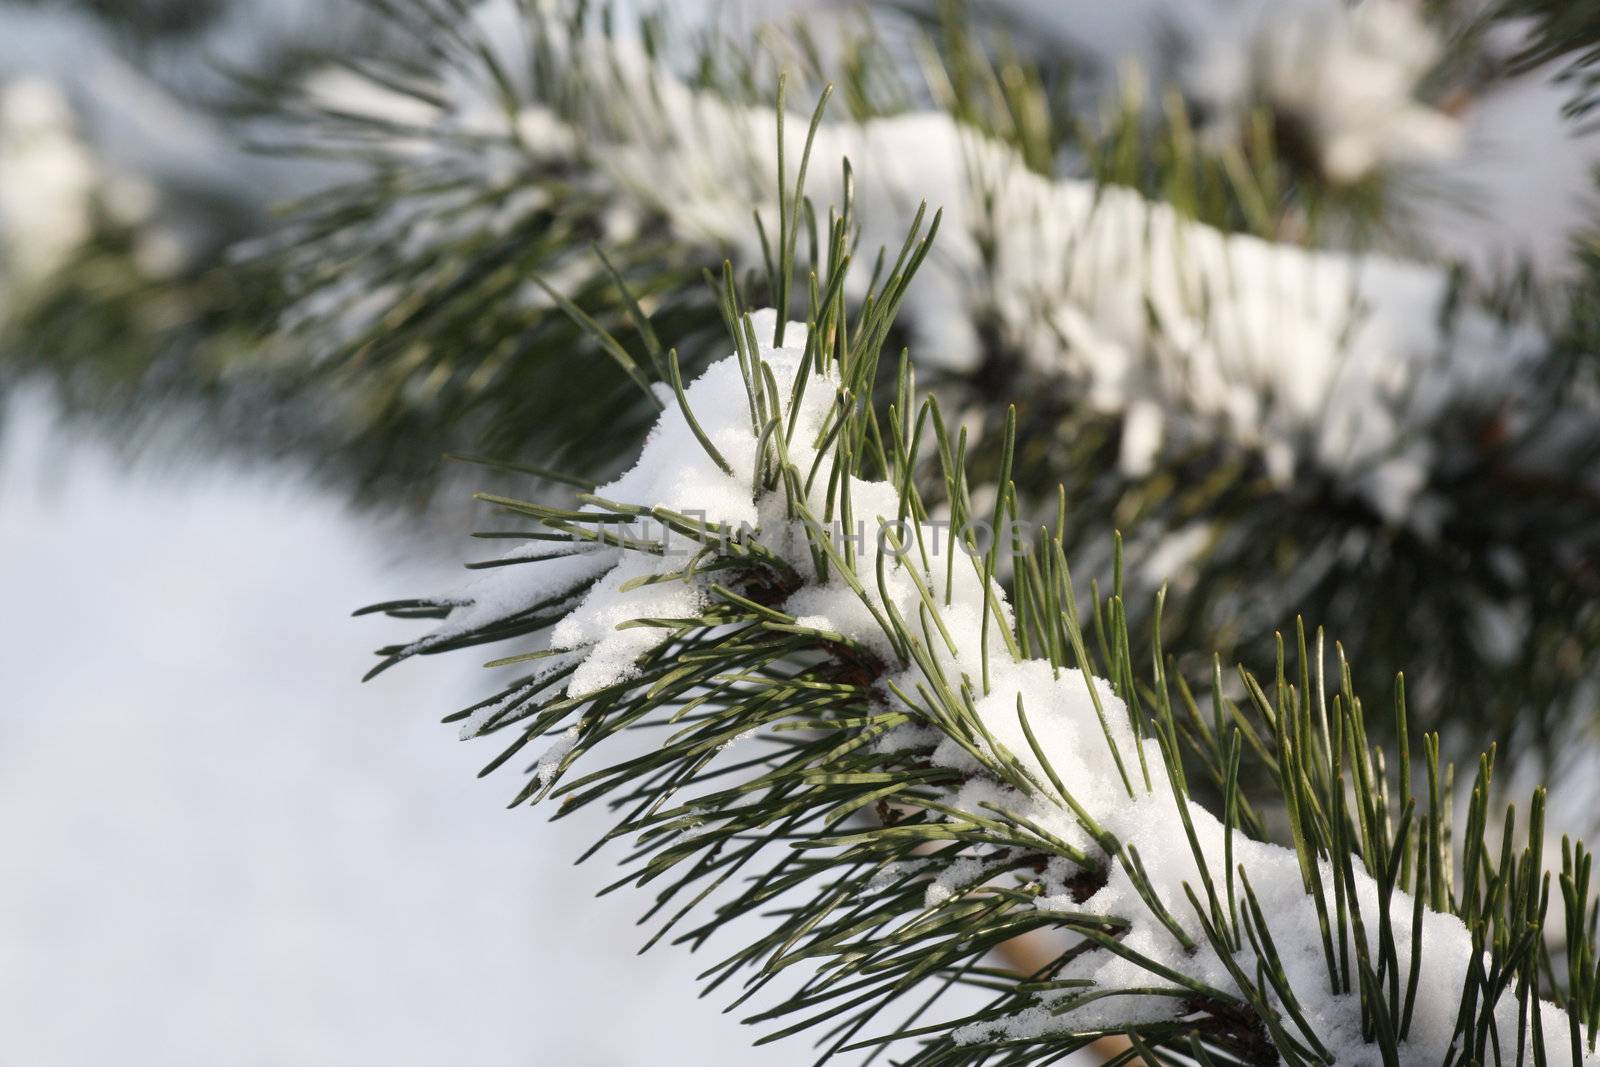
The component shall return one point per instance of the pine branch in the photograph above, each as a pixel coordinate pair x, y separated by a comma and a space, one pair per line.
803, 675
1256, 443
514, 151
1373, 416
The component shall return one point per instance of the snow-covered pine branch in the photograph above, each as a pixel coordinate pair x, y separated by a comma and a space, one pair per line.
1320, 358
1365, 443
951, 766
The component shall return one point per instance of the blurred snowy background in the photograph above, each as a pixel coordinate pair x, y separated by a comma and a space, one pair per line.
220, 847
215, 844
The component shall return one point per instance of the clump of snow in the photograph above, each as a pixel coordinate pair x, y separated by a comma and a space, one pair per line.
545, 767
1084, 734
1346, 75
676, 473
958, 875
47, 181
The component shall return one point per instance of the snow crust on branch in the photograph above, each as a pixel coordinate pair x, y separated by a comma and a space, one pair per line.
1321, 358
1318, 359
1117, 778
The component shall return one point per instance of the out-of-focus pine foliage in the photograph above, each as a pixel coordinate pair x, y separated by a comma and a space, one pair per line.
1567, 33
1493, 610
148, 19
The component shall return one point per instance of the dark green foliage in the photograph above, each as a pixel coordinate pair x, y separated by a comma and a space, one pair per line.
146, 19
835, 841
1565, 32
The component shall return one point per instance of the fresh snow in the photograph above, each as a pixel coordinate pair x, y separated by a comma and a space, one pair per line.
1061, 704
673, 472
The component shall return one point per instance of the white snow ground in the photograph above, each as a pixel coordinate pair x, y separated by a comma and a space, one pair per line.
216, 846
